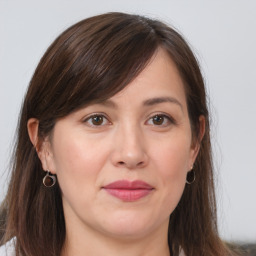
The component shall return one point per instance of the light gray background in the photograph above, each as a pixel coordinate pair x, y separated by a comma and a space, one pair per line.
223, 36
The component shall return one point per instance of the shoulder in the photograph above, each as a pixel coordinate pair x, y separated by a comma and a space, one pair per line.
8, 249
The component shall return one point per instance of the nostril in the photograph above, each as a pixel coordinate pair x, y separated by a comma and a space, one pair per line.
140, 163
131, 165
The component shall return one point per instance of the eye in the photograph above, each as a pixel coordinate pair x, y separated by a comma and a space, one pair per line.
160, 120
96, 120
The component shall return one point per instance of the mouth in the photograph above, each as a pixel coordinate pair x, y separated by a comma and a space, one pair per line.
128, 191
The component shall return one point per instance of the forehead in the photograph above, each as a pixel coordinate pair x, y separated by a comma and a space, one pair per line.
160, 78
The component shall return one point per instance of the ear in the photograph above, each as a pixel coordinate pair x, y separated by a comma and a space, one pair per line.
32, 127
42, 146
197, 141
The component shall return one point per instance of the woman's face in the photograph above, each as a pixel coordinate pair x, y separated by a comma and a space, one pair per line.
122, 164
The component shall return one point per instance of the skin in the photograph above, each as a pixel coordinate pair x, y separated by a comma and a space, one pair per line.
133, 136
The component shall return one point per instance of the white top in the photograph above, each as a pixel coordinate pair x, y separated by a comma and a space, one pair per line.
8, 249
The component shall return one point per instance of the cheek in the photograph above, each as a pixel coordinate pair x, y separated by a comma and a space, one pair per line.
173, 173
77, 164
173, 157
76, 152
172, 161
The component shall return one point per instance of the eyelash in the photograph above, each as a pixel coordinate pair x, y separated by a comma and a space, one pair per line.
98, 115
164, 117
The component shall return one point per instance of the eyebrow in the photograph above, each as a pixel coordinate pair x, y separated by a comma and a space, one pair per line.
148, 102
158, 100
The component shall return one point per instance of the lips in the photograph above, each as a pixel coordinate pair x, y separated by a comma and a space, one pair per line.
128, 191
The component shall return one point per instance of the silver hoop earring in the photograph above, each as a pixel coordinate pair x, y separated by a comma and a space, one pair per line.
49, 180
191, 177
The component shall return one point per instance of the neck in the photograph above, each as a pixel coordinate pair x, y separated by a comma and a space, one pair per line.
93, 243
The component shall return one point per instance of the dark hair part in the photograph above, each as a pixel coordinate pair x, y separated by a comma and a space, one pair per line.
90, 62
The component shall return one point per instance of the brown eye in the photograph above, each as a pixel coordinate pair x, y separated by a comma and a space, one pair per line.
97, 120
158, 120
161, 120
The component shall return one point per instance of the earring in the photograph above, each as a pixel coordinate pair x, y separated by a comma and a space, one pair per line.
49, 180
191, 176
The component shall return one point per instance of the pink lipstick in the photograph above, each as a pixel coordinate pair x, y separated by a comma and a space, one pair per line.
128, 191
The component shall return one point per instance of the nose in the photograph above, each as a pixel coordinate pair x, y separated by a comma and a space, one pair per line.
129, 148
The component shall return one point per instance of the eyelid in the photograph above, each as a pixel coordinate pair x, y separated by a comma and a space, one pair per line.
171, 120
88, 117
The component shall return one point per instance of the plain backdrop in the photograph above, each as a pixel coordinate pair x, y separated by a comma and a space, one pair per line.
222, 34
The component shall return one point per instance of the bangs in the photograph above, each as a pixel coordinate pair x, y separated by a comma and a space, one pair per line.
92, 61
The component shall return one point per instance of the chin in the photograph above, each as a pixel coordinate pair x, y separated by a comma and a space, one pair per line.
129, 226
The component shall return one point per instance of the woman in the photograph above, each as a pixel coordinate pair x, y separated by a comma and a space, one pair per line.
113, 153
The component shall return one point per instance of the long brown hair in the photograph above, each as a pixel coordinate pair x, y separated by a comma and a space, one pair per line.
90, 62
